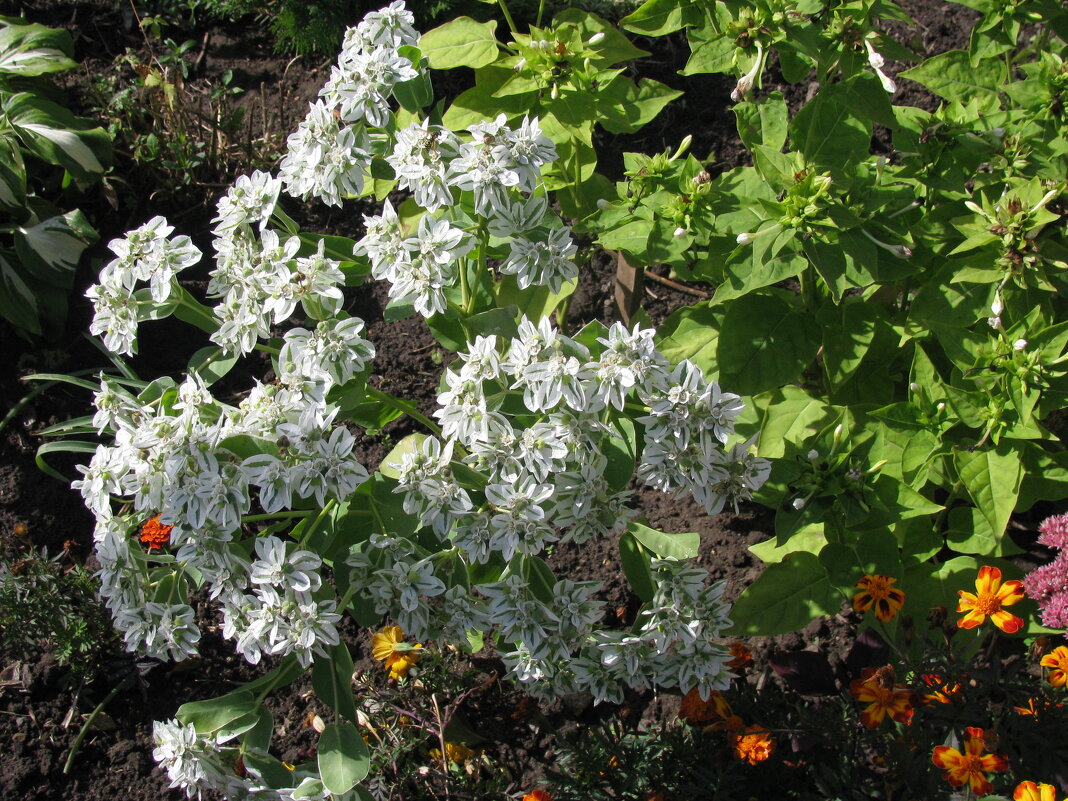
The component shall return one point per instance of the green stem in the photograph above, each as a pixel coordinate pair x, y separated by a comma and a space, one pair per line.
277, 515
508, 16
326, 510
267, 349
407, 407
541, 12
89, 722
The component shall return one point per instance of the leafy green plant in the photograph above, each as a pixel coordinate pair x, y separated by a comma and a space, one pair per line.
43, 148
49, 607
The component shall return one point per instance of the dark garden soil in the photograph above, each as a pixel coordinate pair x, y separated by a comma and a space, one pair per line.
40, 715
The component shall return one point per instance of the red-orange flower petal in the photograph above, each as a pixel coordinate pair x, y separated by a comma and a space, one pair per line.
1029, 791
1057, 661
876, 591
989, 600
972, 766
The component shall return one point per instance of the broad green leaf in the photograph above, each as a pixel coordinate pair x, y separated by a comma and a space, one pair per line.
787, 596
29, 50
52, 133
463, 42
875, 553
627, 106
391, 465
656, 17
763, 121
635, 560
952, 76
343, 757
51, 248
791, 416
830, 134
332, 681
992, 478
692, 333
613, 46
771, 258
211, 363
810, 538
212, 715
765, 343
664, 545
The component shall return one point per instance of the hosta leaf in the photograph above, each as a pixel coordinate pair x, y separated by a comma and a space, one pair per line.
34, 50
55, 135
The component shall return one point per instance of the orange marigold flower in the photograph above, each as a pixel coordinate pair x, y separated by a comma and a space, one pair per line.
875, 590
754, 746
388, 647
1057, 659
876, 689
740, 657
538, 795
1029, 791
972, 766
695, 709
155, 535
989, 599
942, 692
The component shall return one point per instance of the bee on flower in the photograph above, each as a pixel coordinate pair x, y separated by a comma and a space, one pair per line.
990, 598
877, 689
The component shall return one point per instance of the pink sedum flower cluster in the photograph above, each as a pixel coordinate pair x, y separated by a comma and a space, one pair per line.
1048, 585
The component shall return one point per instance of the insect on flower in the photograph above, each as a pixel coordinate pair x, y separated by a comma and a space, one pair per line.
876, 688
989, 599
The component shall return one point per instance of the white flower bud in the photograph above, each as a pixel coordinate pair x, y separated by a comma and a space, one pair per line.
914, 387
1019, 344
994, 322
597, 38
941, 406
996, 306
602, 203
798, 504
813, 455
554, 93
745, 239
680, 232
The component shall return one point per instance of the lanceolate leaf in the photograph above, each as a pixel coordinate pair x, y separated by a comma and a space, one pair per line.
34, 50
55, 135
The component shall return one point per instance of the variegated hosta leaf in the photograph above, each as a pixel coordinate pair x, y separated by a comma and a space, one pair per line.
52, 133
51, 248
12, 175
34, 49
17, 301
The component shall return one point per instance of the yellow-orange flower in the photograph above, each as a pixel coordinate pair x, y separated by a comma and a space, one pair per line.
1057, 660
155, 534
695, 709
388, 647
754, 746
876, 591
457, 753
740, 656
942, 692
876, 689
972, 766
989, 600
1029, 791
538, 795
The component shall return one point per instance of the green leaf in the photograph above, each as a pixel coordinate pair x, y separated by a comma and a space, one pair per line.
332, 681
791, 416
343, 757
992, 478
212, 715
52, 133
391, 465
635, 560
460, 43
952, 76
51, 248
766, 343
785, 597
829, 134
664, 545
763, 121
810, 538
656, 17
211, 363
627, 106
692, 333
29, 50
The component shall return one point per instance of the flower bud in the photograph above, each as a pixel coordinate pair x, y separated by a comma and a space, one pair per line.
798, 504
597, 38
602, 203
1019, 344
745, 239
680, 232
702, 178
813, 455
996, 306
554, 93
914, 387
994, 322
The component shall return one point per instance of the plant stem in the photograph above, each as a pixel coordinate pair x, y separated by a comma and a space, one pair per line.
277, 515
88, 722
508, 16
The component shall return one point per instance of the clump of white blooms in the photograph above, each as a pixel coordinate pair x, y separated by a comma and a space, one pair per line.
536, 445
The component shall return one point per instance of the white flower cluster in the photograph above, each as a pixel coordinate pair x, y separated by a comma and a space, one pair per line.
145, 254
552, 474
170, 456
196, 762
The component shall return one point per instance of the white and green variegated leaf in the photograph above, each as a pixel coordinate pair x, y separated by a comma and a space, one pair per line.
17, 301
53, 134
12, 175
34, 50
51, 249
